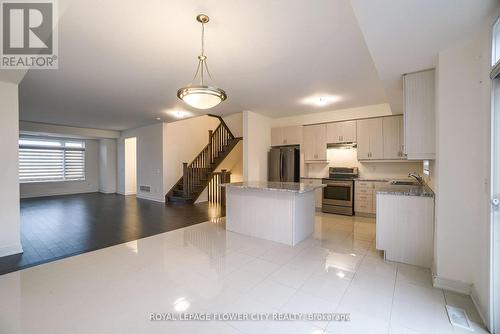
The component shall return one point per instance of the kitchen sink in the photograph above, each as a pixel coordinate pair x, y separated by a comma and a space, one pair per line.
404, 183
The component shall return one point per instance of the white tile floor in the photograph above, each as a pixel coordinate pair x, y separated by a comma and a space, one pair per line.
204, 269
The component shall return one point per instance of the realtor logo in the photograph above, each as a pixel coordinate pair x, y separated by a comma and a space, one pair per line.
29, 37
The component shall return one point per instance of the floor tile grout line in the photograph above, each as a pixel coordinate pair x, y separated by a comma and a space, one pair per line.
392, 301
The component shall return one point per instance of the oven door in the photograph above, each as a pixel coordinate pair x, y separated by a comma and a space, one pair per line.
338, 193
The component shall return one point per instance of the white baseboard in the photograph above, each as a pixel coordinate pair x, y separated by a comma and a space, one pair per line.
11, 250
107, 192
125, 193
58, 193
149, 198
452, 285
475, 299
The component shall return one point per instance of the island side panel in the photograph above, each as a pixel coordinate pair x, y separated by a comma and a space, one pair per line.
265, 214
304, 213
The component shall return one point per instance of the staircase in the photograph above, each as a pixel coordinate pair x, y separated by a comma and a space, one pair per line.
198, 173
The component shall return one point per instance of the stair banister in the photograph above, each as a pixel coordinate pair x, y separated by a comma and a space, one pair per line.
210, 150
197, 174
185, 177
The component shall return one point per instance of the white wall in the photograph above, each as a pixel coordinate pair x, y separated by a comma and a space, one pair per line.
333, 116
66, 131
163, 147
462, 170
149, 161
348, 158
235, 123
256, 143
10, 241
90, 184
234, 163
107, 166
182, 142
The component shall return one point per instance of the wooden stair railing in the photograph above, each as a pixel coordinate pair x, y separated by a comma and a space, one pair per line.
216, 193
198, 173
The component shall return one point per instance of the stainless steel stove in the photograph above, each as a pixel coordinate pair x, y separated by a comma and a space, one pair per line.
338, 195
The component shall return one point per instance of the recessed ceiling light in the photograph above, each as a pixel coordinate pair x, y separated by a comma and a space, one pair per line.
181, 304
178, 113
320, 100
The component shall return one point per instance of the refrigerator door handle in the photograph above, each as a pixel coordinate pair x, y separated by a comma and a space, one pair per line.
281, 166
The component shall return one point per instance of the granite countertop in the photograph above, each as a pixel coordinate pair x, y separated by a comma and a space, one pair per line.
372, 180
275, 186
403, 190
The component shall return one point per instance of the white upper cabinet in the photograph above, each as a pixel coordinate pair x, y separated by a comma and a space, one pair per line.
393, 137
276, 136
341, 132
370, 139
419, 115
288, 135
314, 144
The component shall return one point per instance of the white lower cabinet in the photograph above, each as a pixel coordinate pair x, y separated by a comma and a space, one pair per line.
318, 193
365, 196
405, 228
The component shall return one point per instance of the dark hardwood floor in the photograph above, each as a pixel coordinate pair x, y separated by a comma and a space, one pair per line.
61, 226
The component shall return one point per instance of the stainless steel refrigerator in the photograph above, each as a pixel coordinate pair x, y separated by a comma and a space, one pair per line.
284, 164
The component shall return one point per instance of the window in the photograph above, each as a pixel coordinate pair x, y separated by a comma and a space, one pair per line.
48, 160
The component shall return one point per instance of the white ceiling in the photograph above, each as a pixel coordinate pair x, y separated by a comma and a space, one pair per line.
406, 35
122, 61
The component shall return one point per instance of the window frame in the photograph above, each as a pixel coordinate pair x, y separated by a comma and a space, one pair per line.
62, 147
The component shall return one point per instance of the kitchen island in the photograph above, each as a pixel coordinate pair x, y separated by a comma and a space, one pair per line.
277, 211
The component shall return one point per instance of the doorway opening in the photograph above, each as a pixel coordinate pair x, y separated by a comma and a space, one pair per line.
131, 166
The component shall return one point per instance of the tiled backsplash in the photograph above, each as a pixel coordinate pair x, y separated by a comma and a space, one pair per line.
340, 157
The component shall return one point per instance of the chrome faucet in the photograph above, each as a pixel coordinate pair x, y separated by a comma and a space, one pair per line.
417, 177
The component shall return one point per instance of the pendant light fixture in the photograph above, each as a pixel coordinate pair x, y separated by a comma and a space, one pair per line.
201, 96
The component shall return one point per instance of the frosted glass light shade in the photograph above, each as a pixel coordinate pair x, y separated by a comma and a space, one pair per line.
201, 97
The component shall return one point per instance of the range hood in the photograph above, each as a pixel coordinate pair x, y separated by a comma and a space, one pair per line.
342, 145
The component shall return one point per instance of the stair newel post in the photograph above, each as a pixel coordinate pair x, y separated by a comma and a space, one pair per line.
185, 177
